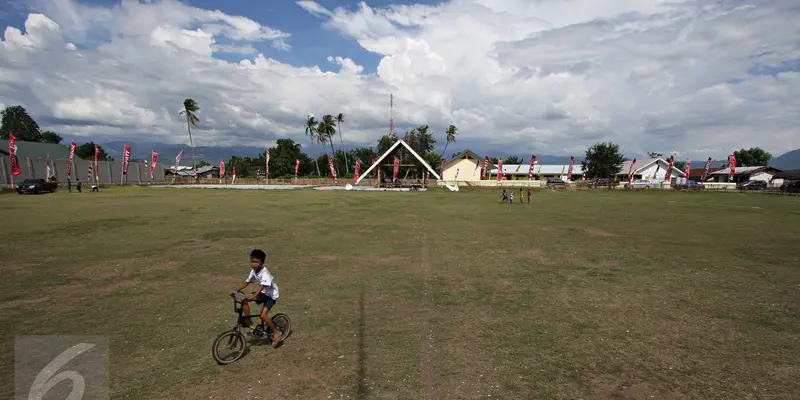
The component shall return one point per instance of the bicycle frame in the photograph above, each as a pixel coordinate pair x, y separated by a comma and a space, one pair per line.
238, 308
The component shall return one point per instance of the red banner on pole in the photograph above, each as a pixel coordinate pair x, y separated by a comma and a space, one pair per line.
330, 165
358, 167
533, 164
221, 169
89, 172
668, 175
569, 170
485, 167
630, 172
500, 170
397, 168
375, 171
96, 164
47, 167
266, 168
71, 155
296, 167
688, 167
706, 171
153, 161
126, 159
12, 151
178, 161
732, 161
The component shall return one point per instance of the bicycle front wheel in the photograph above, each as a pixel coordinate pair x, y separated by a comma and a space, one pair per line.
228, 347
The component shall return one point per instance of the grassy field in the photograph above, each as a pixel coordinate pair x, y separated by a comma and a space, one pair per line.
418, 295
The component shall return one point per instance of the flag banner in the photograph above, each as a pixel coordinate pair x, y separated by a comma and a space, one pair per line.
266, 167
126, 159
375, 171
178, 161
668, 174
153, 161
688, 167
707, 169
427, 176
485, 167
12, 151
71, 155
330, 165
732, 161
233, 179
358, 167
47, 168
530, 171
96, 164
296, 167
90, 172
570, 167
630, 172
221, 169
397, 168
499, 170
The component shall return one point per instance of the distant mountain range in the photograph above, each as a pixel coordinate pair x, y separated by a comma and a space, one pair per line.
788, 161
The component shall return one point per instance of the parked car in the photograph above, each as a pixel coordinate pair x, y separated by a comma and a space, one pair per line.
752, 185
602, 182
556, 183
640, 184
36, 186
790, 187
689, 185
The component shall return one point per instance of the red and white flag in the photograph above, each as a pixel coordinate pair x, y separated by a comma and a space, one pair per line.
266, 167
630, 172
90, 174
47, 167
221, 169
688, 167
96, 164
178, 161
500, 170
330, 165
732, 161
707, 169
153, 161
533, 164
569, 170
427, 176
485, 167
126, 159
233, 178
12, 151
71, 154
296, 167
358, 167
397, 168
375, 171
668, 175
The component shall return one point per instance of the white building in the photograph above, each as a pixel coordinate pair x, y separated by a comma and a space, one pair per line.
540, 171
654, 170
743, 174
463, 167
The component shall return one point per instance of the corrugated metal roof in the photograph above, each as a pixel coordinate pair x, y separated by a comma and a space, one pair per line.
744, 170
37, 150
538, 169
640, 164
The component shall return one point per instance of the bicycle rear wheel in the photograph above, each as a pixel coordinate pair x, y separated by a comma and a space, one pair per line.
283, 323
228, 347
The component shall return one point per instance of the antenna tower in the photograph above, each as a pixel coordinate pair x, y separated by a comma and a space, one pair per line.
391, 115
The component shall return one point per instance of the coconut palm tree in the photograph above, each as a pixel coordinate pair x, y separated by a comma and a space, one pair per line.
311, 132
340, 120
451, 136
190, 108
325, 132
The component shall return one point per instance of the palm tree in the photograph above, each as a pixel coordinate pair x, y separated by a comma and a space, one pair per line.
339, 120
311, 132
451, 136
190, 107
325, 132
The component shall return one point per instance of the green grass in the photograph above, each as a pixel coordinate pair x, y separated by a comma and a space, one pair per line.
418, 295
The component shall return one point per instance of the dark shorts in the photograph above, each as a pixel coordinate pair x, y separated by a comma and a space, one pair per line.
265, 300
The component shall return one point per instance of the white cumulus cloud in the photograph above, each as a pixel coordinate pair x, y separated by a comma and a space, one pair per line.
700, 77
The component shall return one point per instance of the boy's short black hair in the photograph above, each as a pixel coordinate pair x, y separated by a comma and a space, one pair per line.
258, 254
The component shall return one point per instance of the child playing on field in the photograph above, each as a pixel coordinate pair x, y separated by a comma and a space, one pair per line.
267, 293
505, 196
529, 195
511, 198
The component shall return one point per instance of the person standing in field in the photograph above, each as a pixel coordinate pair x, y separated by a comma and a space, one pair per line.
529, 195
505, 196
511, 198
69, 185
521, 196
79, 186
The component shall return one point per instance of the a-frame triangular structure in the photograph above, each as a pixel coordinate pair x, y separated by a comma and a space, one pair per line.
386, 154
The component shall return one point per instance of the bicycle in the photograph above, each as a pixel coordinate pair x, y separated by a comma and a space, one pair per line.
235, 340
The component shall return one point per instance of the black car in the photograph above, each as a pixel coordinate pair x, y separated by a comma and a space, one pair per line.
36, 186
791, 187
752, 185
556, 183
602, 182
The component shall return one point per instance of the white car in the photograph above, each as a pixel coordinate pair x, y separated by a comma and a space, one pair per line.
641, 184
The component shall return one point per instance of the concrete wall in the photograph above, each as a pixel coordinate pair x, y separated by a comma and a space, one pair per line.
109, 172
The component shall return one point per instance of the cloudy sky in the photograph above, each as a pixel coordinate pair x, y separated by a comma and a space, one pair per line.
701, 78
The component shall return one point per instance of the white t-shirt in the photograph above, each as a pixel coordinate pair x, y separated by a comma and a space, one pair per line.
264, 278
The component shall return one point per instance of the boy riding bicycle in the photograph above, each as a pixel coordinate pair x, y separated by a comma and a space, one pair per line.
267, 293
